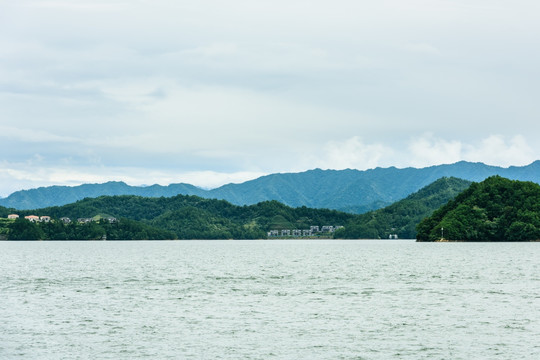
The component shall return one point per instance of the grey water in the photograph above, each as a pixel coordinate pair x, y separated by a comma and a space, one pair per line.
279, 299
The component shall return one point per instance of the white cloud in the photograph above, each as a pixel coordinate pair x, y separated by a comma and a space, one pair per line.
352, 153
426, 150
429, 150
494, 150
33, 174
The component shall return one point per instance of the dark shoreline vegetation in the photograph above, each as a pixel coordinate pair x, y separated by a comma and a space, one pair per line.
496, 209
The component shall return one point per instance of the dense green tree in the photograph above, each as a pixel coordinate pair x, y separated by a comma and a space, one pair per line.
496, 209
192, 217
185, 217
22, 229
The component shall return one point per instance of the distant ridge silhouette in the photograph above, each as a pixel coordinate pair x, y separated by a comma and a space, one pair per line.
354, 191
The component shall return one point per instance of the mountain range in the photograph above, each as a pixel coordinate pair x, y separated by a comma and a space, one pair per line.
192, 217
352, 191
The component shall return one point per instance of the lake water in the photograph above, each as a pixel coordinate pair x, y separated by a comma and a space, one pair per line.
303, 299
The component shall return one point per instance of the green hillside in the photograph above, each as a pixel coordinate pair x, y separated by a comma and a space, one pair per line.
123, 229
181, 216
496, 209
402, 217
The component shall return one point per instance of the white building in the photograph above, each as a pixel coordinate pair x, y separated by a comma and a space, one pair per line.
327, 228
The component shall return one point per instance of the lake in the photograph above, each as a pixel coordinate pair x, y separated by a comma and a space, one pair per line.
281, 299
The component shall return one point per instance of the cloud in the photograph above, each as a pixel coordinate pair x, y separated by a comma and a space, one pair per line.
352, 153
429, 150
194, 87
31, 174
497, 149
426, 150
494, 150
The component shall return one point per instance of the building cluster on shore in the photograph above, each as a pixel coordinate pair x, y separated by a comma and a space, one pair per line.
312, 231
31, 218
65, 220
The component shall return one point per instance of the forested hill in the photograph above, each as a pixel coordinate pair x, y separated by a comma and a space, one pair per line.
192, 217
353, 191
402, 217
496, 209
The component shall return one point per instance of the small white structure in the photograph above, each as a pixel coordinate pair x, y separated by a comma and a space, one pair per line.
328, 228
13, 216
45, 218
32, 218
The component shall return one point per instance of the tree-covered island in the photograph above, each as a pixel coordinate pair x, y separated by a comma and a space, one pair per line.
496, 209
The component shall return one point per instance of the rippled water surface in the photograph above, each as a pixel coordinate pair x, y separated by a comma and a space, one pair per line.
269, 299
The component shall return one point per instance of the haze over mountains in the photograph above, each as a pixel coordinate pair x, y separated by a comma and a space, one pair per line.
348, 190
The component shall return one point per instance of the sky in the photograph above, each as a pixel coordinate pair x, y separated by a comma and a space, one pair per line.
210, 92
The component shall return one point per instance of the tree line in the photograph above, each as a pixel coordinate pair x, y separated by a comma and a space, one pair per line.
177, 217
22, 229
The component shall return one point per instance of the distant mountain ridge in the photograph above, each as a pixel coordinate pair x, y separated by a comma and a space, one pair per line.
355, 191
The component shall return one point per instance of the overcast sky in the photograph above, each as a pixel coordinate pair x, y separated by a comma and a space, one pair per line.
209, 92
